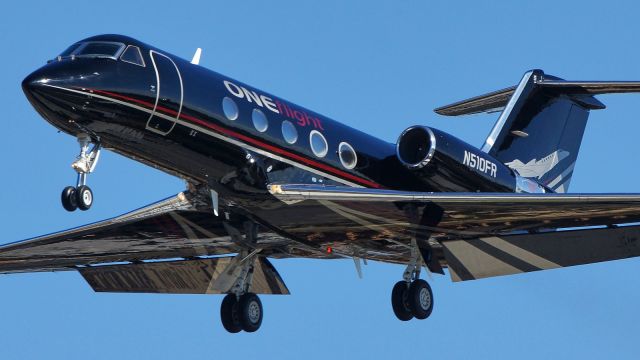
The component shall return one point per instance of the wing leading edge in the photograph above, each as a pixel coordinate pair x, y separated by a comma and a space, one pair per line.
168, 229
475, 213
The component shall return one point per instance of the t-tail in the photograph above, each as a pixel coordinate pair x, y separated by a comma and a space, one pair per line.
542, 120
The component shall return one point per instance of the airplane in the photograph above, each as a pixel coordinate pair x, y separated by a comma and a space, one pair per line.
268, 179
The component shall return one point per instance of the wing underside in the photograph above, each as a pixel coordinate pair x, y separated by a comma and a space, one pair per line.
169, 229
476, 235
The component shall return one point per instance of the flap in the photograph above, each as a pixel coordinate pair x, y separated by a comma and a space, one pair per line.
179, 277
514, 254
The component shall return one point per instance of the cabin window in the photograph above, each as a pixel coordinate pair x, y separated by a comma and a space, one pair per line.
132, 55
229, 108
289, 132
260, 121
347, 155
318, 143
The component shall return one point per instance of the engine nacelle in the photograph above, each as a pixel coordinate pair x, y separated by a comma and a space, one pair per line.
445, 163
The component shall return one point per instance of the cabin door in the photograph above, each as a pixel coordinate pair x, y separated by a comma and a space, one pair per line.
169, 94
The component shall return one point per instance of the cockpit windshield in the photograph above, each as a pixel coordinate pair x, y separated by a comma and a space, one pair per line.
94, 49
70, 49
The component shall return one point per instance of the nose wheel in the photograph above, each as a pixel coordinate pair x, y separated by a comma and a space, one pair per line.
81, 196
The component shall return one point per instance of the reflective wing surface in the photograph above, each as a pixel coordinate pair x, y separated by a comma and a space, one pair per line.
169, 229
198, 276
477, 234
468, 214
483, 257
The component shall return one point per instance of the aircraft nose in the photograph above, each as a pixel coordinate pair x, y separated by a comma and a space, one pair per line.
32, 86
44, 90
34, 83
57, 91
31, 82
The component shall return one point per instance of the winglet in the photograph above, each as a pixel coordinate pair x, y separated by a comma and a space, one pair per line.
196, 57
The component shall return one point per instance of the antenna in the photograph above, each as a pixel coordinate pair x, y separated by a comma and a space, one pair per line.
196, 57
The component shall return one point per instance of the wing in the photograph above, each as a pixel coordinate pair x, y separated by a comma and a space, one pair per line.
462, 214
169, 229
474, 234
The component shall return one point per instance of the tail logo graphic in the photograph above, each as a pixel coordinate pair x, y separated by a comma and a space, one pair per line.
538, 168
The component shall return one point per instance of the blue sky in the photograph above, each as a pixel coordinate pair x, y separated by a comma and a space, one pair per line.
376, 66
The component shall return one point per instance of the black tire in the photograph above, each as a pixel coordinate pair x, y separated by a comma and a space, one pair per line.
400, 301
69, 200
250, 310
84, 197
420, 299
229, 314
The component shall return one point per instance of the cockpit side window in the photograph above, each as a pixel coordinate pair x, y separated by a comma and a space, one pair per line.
132, 55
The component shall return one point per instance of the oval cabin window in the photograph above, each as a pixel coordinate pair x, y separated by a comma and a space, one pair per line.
229, 108
289, 132
347, 155
260, 121
318, 143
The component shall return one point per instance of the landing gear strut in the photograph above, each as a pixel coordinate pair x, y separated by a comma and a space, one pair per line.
412, 296
81, 196
240, 308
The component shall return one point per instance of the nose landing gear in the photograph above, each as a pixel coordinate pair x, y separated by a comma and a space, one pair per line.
81, 196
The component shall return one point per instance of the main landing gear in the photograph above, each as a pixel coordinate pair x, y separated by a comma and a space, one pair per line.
241, 313
81, 196
414, 299
412, 296
240, 308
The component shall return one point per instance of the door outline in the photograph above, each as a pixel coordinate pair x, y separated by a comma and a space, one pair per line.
155, 106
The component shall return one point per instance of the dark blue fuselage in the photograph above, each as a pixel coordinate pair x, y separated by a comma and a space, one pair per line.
213, 130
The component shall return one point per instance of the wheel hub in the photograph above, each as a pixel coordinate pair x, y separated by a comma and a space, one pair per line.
425, 298
254, 312
86, 197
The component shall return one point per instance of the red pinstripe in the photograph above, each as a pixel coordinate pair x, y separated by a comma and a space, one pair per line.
247, 139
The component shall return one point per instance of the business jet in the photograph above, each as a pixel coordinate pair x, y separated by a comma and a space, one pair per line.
268, 179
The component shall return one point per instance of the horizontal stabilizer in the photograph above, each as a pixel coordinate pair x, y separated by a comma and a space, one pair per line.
592, 87
497, 100
179, 277
491, 102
